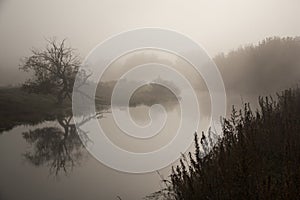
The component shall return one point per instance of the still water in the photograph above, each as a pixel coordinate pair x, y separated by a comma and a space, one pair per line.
48, 160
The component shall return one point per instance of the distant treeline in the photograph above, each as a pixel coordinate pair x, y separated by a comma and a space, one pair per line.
269, 66
258, 156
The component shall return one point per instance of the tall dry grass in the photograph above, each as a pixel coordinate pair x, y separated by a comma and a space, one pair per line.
258, 156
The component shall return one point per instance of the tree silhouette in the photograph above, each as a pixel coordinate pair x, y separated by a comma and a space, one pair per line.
54, 69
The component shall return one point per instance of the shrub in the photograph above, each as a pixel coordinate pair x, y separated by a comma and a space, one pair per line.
257, 157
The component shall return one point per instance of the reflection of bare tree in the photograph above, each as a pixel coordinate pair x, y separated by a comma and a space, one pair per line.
58, 147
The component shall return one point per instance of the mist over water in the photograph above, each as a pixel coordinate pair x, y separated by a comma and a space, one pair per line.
42, 156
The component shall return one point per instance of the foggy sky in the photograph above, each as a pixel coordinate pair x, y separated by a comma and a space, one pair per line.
218, 25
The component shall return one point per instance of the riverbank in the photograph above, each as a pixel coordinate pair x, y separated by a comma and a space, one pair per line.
256, 158
19, 107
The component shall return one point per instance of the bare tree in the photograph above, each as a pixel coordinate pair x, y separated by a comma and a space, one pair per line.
54, 70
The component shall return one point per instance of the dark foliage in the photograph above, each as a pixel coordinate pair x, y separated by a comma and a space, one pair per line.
258, 156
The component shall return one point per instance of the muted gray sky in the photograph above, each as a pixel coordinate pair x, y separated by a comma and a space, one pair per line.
218, 25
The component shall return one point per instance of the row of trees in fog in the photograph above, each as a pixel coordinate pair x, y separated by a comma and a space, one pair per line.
265, 68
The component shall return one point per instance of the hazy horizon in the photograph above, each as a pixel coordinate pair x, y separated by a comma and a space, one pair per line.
33, 145
219, 26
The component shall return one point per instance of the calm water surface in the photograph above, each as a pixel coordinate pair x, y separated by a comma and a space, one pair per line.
48, 161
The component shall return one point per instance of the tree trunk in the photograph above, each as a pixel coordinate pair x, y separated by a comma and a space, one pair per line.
60, 98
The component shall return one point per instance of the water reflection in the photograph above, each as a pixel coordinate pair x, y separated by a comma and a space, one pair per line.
59, 148
56, 149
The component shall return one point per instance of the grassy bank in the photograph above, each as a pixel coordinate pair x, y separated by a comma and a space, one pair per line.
19, 107
258, 157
